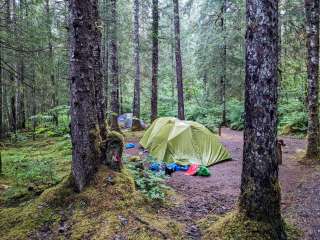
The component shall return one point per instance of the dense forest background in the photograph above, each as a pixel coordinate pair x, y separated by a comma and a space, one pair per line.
34, 62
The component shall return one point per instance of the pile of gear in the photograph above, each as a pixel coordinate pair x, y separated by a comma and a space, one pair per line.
190, 170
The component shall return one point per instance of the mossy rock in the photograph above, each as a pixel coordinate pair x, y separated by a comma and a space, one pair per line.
115, 146
134, 159
234, 226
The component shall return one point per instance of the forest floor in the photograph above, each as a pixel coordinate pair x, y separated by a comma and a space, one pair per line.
217, 194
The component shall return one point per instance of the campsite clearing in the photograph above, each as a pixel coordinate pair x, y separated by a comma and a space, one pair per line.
218, 193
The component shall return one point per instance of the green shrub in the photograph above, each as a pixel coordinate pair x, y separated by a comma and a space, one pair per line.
235, 115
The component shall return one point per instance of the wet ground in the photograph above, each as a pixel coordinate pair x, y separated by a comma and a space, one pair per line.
218, 193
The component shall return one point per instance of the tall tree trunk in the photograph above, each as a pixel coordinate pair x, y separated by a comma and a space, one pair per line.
178, 60
224, 63
13, 115
260, 191
155, 59
106, 50
312, 28
34, 104
84, 122
137, 82
51, 62
115, 107
173, 66
20, 107
99, 83
1, 96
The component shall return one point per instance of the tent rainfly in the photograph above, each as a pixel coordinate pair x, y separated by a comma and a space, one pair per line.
184, 142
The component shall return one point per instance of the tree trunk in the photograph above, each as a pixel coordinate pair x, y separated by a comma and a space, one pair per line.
312, 29
106, 51
34, 104
115, 107
20, 111
13, 115
99, 83
137, 82
84, 122
178, 60
155, 59
260, 191
20, 71
224, 64
1, 96
51, 62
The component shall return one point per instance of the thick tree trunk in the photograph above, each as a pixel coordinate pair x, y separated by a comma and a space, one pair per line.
137, 82
84, 122
1, 97
260, 191
106, 51
224, 64
312, 28
115, 107
178, 60
155, 59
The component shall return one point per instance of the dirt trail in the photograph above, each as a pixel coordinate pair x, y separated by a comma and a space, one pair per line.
218, 193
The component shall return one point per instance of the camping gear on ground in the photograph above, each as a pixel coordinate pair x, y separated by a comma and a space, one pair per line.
203, 171
125, 121
171, 140
193, 168
177, 167
155, 167
173, 167
130, 145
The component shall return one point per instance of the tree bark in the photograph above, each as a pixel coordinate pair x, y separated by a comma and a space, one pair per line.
1, 96
115, 107
137, 82
84, 121
178, 60
312, 29
106, 51
155, 59
260, 196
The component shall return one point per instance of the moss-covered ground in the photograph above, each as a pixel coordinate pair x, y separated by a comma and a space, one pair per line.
37, 201
233, 226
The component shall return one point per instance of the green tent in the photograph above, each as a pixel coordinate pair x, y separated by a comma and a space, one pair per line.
171, 140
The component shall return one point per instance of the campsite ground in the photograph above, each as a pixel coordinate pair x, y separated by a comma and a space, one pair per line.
218, 193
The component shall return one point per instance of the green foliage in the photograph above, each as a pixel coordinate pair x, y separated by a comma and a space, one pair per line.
149, 183
37, 164
236, 114
209, 116
293, 118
